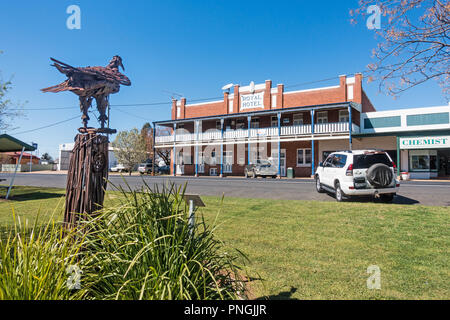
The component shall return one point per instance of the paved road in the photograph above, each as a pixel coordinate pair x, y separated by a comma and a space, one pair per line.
411, 192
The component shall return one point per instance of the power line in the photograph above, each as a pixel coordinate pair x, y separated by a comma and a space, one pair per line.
47, 126
130, 114
169, 102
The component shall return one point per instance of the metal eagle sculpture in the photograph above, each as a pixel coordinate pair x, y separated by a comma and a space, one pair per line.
90, 83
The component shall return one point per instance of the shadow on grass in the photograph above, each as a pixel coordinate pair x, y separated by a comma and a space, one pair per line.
33, 195
398, 199
284, 295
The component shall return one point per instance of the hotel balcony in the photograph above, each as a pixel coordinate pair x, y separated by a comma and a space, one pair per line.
300, 131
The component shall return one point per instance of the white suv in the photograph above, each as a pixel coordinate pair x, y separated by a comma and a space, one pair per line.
358, 173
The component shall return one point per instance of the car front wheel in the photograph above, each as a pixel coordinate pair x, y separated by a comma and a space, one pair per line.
318, 185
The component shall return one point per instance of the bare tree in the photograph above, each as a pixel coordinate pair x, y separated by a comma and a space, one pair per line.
414, 46
164, 154
8, 109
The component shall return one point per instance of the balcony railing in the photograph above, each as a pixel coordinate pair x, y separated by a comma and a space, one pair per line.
298, 130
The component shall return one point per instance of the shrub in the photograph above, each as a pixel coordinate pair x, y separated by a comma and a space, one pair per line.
34, 262
144, 249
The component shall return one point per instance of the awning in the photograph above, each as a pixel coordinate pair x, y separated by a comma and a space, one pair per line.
10, 144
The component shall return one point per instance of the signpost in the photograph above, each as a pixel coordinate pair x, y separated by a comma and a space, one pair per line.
194, 201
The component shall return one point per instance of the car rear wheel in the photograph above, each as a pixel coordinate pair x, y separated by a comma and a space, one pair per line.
339, 193
318, 185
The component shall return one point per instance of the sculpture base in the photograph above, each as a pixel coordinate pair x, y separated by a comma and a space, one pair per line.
87, 177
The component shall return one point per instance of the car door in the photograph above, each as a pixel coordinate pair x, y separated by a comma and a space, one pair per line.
327, 171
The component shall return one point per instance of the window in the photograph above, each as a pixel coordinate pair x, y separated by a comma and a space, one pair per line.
328, 162
343, 116
325, 155
218, 125
298, 119
423, 160
365, 161
240, 124
255, 123
274, 121
212, 160
213, 171
230, 106
201, 162
339, 160
322, 117
180, 126
228, 161
349, 92
304, 157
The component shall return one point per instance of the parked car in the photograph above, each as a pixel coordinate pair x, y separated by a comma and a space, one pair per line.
145, 168
358, 173
264, 168
163, 169
119, 168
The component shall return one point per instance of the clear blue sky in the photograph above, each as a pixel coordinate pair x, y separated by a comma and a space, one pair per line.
189, 47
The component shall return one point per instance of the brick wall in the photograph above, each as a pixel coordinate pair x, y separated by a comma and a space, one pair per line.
285, 99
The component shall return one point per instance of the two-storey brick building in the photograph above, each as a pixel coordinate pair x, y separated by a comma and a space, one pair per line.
296, 129
214, 138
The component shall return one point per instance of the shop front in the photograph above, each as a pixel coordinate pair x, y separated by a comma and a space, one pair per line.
425, 157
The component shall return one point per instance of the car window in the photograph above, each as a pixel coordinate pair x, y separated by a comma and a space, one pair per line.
328, 161
365, 161
339, 160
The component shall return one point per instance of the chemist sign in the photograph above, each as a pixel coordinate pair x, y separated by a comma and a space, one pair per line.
425, 142
252, 101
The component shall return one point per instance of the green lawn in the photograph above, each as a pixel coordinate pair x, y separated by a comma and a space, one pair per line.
314, 250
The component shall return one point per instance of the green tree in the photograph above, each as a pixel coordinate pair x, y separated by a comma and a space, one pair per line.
47, 157
8, 109
129, 148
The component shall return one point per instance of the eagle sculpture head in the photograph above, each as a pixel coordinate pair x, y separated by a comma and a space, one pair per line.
115, 62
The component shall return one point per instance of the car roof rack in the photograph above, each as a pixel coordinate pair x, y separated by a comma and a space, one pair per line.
349, 151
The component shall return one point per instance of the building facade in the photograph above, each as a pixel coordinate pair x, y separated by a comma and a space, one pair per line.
294, 129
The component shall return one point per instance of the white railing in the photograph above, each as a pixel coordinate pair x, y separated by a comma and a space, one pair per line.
333, 127
263, 132
213, 135
164, 139
185, 137
294, 130
235, 134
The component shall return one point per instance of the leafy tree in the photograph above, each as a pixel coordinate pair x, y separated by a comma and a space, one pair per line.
7, 112
414, 46
47, 157
129, 148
